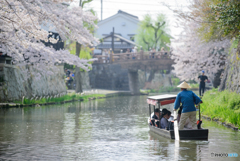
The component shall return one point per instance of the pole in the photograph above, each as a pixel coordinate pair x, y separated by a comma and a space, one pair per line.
150, 111
159, 113
199, 122
113, 40
199, 113
154, 112
101, 10
176, 131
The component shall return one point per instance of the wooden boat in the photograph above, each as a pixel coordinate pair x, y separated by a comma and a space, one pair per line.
185, 134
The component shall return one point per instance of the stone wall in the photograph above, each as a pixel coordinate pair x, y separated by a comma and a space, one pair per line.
106, 76
114, 77
231, 76
37, 84
160, 80
85, 81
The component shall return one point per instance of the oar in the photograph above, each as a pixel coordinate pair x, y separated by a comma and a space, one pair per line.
199, 122
176, 132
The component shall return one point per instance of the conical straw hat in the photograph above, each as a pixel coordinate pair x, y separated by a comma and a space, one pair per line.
184, 85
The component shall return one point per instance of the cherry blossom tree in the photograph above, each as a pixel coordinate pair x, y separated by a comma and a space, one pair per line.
200, 46
192, 55
21, 32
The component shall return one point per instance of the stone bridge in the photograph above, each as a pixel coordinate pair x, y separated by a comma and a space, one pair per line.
132, 62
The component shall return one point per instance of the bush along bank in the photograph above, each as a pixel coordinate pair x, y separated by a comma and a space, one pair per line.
222, 107
70, 97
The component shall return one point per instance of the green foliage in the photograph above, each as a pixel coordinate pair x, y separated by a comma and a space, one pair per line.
234, 45
85, 51
175, 81
208, 29
153, 33
222, 105
82, 3
228, 17
219, 18
194, 85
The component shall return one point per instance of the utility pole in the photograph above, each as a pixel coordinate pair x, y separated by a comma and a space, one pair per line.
101, 10
113, 40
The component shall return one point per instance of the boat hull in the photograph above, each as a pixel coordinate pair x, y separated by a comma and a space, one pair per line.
201, 134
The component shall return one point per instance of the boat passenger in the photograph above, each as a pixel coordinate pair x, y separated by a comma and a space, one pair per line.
164, 119
154, 117
188, 99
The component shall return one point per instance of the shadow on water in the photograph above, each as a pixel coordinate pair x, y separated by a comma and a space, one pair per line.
107, 129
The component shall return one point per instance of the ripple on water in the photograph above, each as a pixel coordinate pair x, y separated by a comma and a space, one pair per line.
110, 129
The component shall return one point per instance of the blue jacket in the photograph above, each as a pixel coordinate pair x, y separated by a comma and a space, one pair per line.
187, 98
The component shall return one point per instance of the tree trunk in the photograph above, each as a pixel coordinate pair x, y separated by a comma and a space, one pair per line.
78, 77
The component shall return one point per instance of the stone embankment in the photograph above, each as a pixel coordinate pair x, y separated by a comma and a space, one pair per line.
228, 125
30, 82
70, 97
230, 79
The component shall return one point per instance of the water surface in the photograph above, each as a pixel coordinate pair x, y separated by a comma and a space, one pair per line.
107, 129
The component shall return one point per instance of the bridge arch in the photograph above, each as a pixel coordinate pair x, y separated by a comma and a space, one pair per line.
121, 70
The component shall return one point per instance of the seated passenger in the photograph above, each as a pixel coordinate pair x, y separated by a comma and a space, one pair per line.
154, 117
164, 119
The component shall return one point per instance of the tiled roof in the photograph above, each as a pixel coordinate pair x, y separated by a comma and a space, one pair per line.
129, 44
124, 39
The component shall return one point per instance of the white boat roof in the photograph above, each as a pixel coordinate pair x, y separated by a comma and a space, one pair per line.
163, 97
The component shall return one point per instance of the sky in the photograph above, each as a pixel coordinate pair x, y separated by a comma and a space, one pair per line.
139, 8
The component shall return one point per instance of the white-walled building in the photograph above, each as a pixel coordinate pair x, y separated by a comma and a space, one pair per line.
125, 27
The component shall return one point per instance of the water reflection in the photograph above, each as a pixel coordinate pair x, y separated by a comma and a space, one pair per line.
106, 129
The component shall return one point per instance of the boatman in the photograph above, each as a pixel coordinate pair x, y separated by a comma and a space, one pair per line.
202, 78
188, 99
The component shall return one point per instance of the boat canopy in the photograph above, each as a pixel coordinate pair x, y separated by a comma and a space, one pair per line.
161, 99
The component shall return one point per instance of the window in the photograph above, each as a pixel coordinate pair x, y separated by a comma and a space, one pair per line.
132, 38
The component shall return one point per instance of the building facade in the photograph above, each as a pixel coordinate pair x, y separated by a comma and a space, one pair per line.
118, 30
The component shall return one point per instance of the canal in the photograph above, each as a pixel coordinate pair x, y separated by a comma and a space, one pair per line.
106, 129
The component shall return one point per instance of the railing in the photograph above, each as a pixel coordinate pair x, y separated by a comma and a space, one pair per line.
5, 60
123, 57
